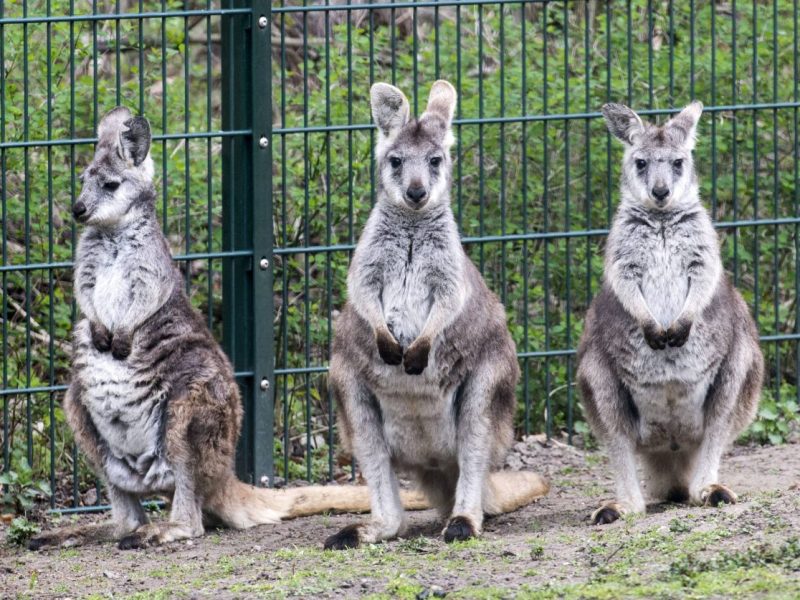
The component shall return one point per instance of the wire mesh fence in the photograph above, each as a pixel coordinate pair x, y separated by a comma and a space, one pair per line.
536, 173
534, 185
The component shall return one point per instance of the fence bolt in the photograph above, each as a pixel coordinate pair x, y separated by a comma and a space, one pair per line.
263, 142
264, 264
262, 21
265, 384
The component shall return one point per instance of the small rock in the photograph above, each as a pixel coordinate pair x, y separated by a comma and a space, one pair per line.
89, 497
110, 575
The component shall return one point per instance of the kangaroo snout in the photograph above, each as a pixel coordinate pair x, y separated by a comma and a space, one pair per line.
660, 194
416, 194
79, 211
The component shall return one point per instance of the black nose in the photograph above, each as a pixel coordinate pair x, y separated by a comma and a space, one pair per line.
416, 194
79, 209
660, 192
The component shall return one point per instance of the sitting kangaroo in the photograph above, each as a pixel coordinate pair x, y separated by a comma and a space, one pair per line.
669, 368
153, 402
423, 367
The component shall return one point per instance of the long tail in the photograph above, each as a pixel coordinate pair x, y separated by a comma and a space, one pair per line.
510, 490
240, 506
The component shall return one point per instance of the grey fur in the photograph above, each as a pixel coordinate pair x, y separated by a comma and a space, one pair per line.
423, 366
670, 368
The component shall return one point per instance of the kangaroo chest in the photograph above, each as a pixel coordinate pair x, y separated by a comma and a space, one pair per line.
127, 409
665, 281
406, 296
112, 294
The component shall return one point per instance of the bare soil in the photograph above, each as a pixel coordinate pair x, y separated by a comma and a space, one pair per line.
545, 550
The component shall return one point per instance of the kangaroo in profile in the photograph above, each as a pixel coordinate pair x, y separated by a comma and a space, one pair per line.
423, 367
670, 367
153, 402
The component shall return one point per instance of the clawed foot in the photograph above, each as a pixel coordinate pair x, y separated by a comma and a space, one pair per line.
347, 537
608, 513
716, 494
459, 529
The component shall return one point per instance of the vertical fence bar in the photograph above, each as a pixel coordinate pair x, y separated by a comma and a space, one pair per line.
247, 223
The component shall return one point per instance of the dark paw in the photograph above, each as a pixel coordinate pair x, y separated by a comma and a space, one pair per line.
346, 538
416, 357
121, 346
678, 333
40, 541
458, 530
101, 337
133, 541
655, 336
391, 352
720, 495
605, 515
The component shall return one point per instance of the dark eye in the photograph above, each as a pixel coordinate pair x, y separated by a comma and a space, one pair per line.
111, 186
395, 162
641, 163
436, 161
677, 163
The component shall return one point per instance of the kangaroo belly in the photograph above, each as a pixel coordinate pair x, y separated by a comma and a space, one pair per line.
670, 416
129, 418
420, 428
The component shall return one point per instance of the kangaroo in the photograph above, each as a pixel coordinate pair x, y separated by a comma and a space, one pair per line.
153, 402
423, 367
669, 364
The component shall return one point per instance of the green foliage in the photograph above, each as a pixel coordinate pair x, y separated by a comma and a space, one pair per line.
776, 417
20, 487
20, 531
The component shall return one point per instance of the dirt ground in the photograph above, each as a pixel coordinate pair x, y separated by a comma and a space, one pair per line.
546, 550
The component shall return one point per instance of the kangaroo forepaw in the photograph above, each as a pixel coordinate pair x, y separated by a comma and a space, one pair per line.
716, 494
389, 349
678, 333
608, 513
347, 537
121, 346
416, 357
655, 336
459, 529
101, 337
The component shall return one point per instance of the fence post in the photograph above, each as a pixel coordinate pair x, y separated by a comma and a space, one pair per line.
247, 225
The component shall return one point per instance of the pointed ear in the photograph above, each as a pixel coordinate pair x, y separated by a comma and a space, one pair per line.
442, 101
389, 108
682, 128
622, 122
135, 139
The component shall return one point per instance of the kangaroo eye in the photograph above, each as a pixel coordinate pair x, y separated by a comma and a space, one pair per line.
641, 163
395, 162
436, 161
677, 163
111, 186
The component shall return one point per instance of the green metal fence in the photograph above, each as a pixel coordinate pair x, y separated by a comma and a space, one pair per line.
263, 151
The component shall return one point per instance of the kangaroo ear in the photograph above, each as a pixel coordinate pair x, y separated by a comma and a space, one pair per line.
135, 139
622, 122
682, 128
389, 109
442, 101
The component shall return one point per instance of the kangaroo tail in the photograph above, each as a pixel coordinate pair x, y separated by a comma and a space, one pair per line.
510, 490
240, 506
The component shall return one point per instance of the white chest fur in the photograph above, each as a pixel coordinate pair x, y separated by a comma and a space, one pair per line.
665, 282
406, 301
112, 292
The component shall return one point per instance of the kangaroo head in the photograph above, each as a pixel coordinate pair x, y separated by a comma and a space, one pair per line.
413, 155
657, 169
119, 172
